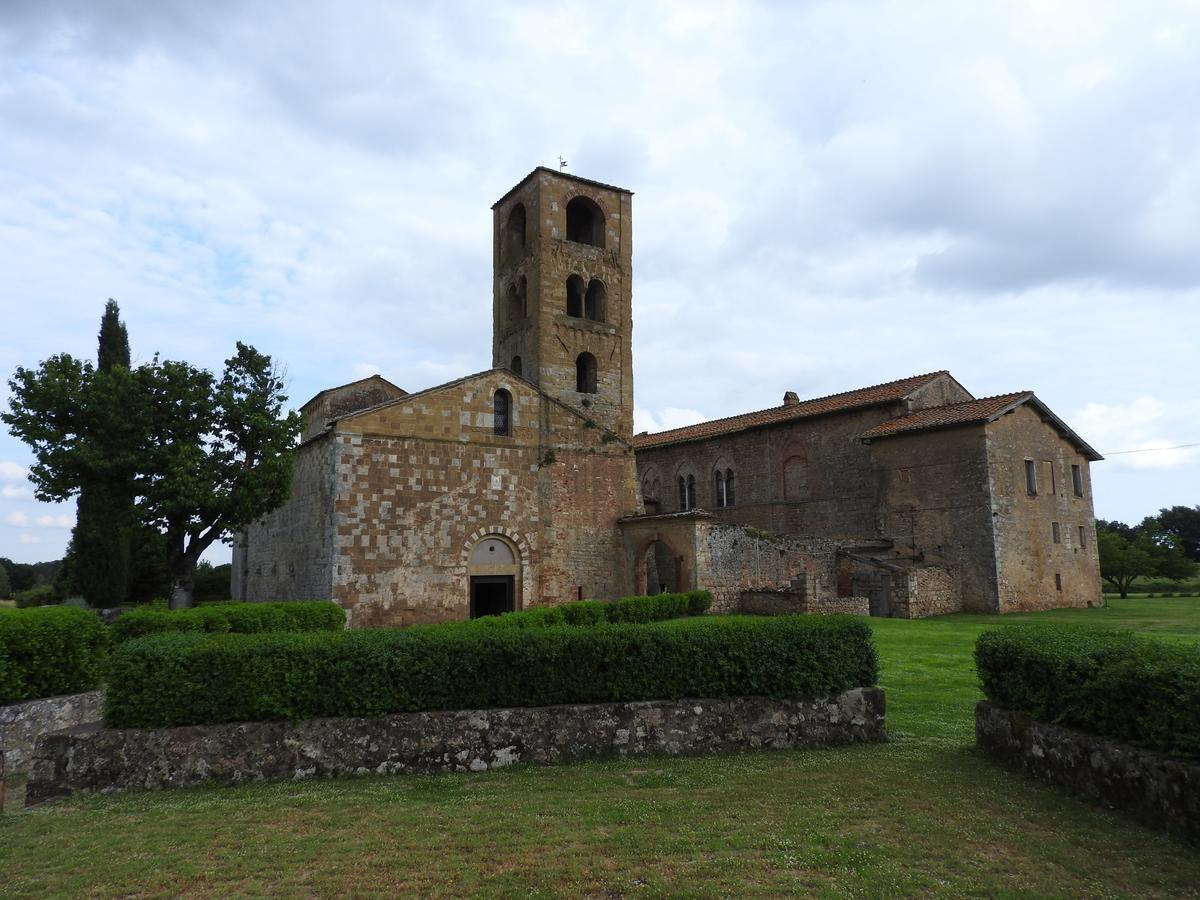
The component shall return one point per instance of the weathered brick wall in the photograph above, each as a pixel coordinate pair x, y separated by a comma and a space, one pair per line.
936, 501
288, 554
1027, 557
731, 560
809, 477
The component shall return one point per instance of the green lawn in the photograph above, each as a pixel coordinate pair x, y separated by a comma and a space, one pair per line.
922, 814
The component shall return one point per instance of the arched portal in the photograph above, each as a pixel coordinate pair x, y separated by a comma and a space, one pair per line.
661, 569
493, 577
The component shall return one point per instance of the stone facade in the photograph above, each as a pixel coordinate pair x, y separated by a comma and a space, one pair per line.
108, 760
1158, 790
21, 724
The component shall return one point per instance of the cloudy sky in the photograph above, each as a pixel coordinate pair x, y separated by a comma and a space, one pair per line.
827, 195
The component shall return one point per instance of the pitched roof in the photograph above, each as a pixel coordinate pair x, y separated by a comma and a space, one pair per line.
558, 173
317, 396
972, 411
891, 392
977, 412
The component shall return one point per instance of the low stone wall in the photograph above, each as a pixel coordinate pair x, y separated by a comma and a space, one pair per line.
107, 760
782, 603
21, 724
1160, 791
926, 591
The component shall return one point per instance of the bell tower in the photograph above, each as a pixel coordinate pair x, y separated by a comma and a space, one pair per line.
562, 292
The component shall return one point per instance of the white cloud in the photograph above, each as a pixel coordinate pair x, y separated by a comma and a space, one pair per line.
665, 419
11, 471
26, 538
16, 492
1132, 434
21, 519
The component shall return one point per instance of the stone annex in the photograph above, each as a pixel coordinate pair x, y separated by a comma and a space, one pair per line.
524, 485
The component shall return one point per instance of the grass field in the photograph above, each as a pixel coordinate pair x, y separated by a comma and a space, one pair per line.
922, 814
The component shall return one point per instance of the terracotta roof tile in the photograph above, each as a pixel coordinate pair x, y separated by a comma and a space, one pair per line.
890, 392
982, 410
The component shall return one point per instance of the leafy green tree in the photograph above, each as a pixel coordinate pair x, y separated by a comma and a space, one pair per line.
1183, 522
207, 455
21, 576
97, 562
1124, 558
5, 584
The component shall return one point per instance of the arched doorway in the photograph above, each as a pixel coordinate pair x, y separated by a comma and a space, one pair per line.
493, 577
661, 569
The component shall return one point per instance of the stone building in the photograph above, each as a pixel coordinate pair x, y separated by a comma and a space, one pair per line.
936, 501
519, 486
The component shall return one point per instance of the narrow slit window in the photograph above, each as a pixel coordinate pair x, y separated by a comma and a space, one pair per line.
585, 373
1031, 477
719, 488
1082, 538
1077, 479
729, 487
1057, 581
502, 413
1056, 531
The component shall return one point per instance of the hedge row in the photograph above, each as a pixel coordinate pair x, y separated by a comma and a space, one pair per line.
627, 610
180, 679
237, 618
1111, 683
49, 651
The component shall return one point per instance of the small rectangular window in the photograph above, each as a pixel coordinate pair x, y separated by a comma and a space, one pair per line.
1057, 582
1031, 477
1050, 477
1056, 531
1077, 478
1082, 537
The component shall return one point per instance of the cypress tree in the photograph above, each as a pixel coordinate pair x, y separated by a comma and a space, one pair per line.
100, 544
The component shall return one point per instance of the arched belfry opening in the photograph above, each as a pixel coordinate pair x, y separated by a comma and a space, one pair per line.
585, 373
514, 234
594, 301
516, 365
514, 310
493, 576
585, 222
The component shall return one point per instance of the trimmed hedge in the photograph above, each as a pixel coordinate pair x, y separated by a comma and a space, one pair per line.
1112, 683
236, 618
627, 610
48, 651
181, 679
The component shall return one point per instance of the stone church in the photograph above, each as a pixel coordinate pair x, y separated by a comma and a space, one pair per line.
524, 485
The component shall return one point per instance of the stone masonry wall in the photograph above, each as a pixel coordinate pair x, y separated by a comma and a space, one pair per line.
288, 554
936, 497
420, 481
108, 760
783, 603
1027, 556
925, 591
21, 724
1158, 790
